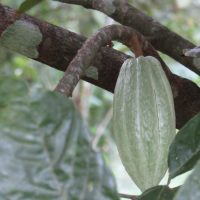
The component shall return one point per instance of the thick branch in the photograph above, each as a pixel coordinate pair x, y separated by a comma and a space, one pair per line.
160, 36
58, 46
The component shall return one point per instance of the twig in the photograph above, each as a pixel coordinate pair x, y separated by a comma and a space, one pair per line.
101, 128
126, 196
88, 51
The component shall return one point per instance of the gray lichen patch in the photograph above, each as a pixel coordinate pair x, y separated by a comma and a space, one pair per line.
22, 37
106, 6
92, 72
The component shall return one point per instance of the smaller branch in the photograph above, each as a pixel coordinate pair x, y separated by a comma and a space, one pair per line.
101, 128
126, 196
89, 50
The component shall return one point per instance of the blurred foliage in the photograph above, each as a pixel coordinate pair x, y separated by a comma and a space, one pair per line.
191, 188
27, 5
159, 193
47, 151
185, 149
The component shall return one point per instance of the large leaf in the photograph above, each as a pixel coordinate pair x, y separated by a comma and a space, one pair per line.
45, 151
185, 149
191, 188
27, 5
158, 193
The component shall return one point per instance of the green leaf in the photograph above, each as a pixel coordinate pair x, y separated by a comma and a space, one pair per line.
45, 149
185, 149
27, 5
191, 188
158, 193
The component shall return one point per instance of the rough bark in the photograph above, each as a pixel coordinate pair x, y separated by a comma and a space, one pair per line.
59, 46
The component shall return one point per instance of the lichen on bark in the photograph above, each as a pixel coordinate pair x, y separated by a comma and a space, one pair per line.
92, 72
22, 37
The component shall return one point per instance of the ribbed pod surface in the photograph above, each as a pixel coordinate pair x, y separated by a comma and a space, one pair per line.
143, 120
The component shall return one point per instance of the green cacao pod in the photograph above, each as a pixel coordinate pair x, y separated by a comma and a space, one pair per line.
143, 120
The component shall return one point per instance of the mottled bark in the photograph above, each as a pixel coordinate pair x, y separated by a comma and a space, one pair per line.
59, 46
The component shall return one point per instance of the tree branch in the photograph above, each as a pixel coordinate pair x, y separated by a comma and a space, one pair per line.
160, 36
58, 46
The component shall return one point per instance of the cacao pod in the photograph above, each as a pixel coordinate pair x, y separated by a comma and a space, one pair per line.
143, 120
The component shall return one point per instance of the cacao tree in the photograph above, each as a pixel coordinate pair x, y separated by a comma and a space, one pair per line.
50, 144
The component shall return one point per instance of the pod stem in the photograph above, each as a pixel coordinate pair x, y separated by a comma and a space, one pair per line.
137, 45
